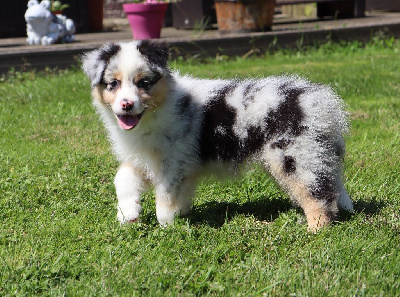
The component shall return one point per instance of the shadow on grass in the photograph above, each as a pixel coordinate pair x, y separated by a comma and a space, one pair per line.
366, 207
215, 214
369, 207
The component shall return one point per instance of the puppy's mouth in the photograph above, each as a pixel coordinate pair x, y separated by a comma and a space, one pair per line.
128, 121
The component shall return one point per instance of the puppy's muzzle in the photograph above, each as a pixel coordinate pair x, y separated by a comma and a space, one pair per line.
127, 105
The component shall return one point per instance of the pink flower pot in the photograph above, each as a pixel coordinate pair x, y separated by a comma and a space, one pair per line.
146, 20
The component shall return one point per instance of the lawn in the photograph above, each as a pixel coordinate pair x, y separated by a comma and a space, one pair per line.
59, 234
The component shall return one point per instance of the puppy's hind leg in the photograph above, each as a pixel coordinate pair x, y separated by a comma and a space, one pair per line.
129, 184
174, 198
320, 209
319, 206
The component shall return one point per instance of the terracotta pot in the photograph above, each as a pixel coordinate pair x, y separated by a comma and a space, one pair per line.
146, 20
245, 15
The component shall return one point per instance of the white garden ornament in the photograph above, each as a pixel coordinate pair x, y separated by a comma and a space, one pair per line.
43, 27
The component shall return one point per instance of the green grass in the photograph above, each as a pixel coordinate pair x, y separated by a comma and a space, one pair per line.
59, 234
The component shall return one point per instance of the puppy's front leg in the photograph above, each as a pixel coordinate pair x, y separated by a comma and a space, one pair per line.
129, 185
174, 198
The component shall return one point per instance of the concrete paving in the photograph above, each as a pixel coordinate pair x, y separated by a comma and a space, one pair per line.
15, 53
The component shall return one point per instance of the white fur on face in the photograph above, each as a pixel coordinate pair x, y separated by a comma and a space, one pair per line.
130, 61
124, 68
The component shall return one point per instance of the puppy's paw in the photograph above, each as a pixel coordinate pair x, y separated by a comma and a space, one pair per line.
165, 215
128, 212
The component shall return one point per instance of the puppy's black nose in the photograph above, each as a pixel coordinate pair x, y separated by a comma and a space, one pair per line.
126, 104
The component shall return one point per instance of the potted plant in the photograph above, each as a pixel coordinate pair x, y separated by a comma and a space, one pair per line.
244, 15
57, 7
146, 17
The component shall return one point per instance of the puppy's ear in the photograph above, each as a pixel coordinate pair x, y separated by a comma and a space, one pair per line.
95, 62
156, 52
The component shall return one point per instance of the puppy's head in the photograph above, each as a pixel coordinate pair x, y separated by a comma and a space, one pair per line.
128, 79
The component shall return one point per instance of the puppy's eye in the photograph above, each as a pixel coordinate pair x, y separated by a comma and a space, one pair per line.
113, 85
143, 83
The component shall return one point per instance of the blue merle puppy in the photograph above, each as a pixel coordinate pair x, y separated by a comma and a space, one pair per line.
169, 130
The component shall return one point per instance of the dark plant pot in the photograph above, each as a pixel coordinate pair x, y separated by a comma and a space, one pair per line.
146, 20
392, 5
245, 15
95, 15
341, 9
191, 14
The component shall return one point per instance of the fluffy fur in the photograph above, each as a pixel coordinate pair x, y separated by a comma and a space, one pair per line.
169, 130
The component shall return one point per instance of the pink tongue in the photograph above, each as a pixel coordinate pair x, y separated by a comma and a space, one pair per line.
127, 122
